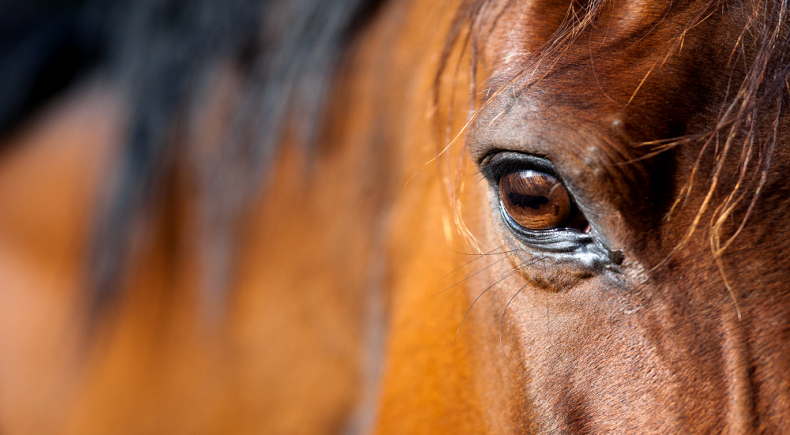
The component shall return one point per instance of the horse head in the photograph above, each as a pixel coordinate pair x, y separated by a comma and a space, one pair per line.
656, 300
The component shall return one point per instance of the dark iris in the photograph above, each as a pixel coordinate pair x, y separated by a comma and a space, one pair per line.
536, 201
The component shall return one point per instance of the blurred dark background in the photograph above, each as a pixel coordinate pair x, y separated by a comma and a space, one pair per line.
44, 47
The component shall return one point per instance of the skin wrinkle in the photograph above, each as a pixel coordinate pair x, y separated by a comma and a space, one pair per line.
739, 385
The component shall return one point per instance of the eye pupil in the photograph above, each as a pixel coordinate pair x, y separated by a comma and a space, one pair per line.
530, 201
535, 200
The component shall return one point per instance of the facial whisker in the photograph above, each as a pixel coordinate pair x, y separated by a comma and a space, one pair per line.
470, 276
479, 256
502, 319
480, 295
491, 252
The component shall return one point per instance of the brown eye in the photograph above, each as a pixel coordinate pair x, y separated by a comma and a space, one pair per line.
535, 201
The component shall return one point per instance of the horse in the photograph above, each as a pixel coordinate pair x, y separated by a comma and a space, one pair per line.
395, 217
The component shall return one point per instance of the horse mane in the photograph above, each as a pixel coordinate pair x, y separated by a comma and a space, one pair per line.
165, 54
763, 46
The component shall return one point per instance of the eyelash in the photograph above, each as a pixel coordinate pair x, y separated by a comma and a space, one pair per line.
573, 241
498, 164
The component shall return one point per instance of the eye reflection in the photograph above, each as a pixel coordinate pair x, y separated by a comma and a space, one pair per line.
535, 201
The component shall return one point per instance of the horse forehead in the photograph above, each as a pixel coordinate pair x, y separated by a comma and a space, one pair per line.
518, 30
529, 124
628, 79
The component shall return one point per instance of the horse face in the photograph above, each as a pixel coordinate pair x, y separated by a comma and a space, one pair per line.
638, 322
630, 284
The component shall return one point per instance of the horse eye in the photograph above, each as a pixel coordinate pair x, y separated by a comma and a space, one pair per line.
535, 201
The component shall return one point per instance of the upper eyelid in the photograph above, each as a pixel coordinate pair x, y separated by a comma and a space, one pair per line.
499, 163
